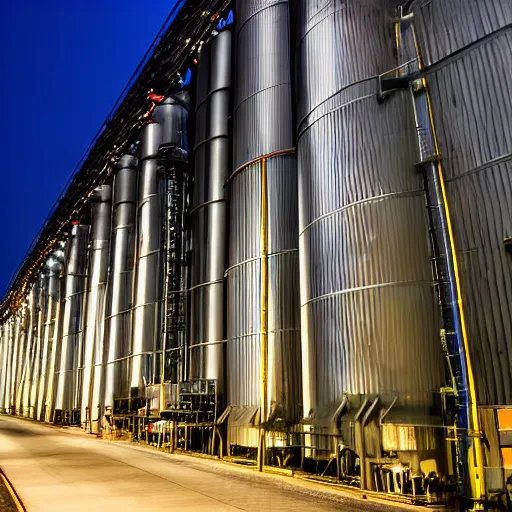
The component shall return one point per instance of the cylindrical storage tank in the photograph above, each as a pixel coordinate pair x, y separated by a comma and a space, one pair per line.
28, 356
5, 351
119, 301
468, 45
262, 278
54, 268
95, 315
472, 116
68, 375
38, 343
172, 114
15, 356
208, 212
148, 291
20, 366
368, 310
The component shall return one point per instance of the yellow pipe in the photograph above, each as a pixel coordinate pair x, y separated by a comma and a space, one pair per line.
14, 496
263, 312
476, 470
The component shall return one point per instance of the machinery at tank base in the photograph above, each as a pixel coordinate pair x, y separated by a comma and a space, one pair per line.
305, 261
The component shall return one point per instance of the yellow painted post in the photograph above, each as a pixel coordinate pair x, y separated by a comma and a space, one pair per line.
263, 313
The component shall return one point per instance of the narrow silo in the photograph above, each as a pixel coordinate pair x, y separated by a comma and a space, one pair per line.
90, 408
28, 355
54, 268
262, 279
160, 225
66, 398
466, 49
208, 212
20, 366
119, 298
370, 332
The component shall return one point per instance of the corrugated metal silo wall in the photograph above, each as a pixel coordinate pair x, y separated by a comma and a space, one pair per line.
208, 211
472, 113
263, 125
369, 314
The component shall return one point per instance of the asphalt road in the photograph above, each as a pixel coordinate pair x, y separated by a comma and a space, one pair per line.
53, 470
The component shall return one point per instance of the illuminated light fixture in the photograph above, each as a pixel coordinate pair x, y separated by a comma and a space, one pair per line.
75, 223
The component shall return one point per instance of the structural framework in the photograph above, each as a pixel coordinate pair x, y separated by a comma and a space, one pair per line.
292, 241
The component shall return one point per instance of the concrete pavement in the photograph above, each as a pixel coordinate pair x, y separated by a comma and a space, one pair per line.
55, 471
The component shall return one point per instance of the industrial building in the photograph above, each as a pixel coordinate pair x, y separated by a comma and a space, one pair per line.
291, 242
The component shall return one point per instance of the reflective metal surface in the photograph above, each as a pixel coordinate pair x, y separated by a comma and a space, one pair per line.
472, 115
68, 384
148, 291
118, 313
90, 403
262, 126
369, 318
208, 212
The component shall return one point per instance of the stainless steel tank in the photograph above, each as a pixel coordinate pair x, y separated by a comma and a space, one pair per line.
472, 116
208, 212
119, 299
148, 287
20, 367
28, 356
263, 227
370, 331
90, 405
66, 398
54, 268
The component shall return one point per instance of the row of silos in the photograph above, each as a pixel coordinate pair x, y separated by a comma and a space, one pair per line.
327, 287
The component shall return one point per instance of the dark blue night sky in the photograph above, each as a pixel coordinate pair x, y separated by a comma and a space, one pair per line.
63, 66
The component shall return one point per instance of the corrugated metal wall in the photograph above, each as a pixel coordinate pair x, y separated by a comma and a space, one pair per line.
263, 125
472, 112
369, 314
209, 212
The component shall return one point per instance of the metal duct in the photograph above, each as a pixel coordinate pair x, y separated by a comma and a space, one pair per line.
54, 267
208, 212
148, 291
66, 398
172, 114
369, 317
263, 292
95, 314
119, 313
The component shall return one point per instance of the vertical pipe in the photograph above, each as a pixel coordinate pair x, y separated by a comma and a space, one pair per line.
95, 314
69, 373
21, 367
264, 312
4, 351
119, 312
208, 212
28, 363
14, 363
146, 316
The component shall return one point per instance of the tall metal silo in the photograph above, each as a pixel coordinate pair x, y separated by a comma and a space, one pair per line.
208, 212
262, 278
119, 298
92, 372
15, 355
20, 367
28, 356
464, 106
158, 291
38, 342
370, 334
5, 349
66, 398
54, 268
